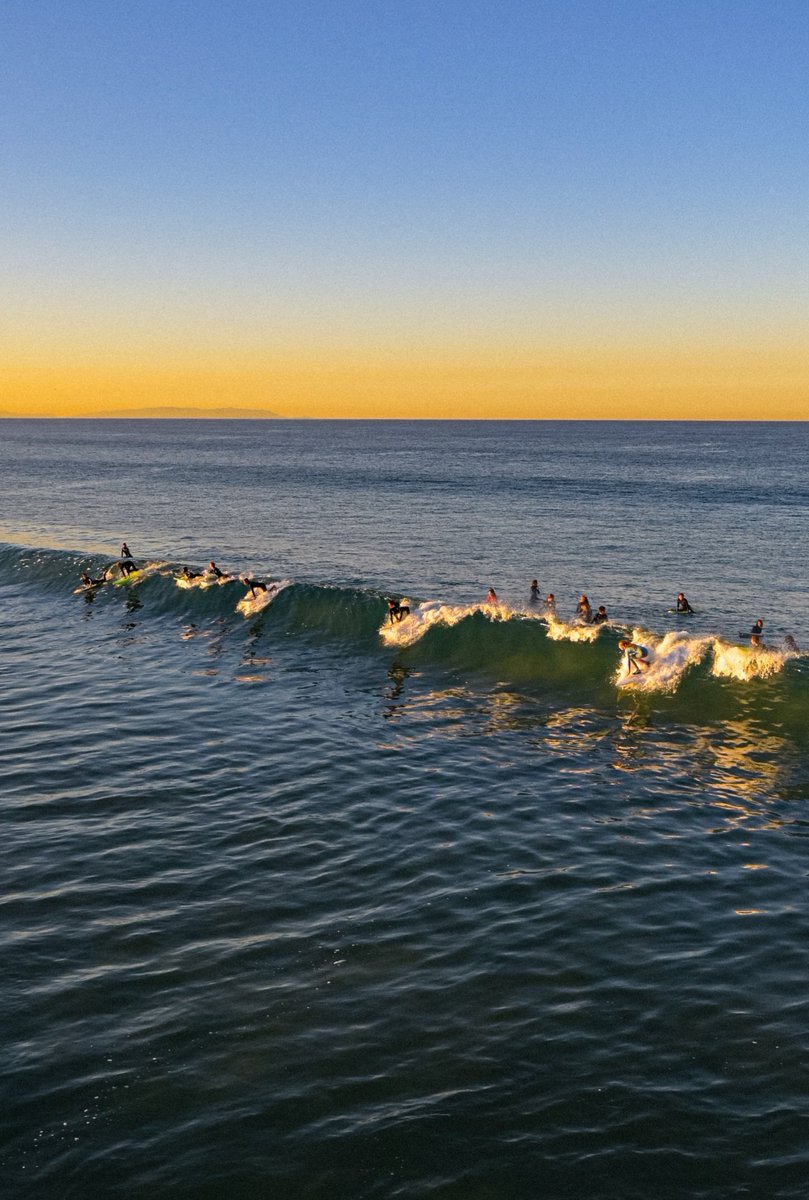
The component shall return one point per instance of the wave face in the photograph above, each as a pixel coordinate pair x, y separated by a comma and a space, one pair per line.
296, 898
522, 648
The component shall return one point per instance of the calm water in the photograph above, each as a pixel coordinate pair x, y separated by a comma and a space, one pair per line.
298, 904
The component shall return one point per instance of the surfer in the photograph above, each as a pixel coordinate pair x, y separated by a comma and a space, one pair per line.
550, 604
491, 596
186, 574
682, 604
534, 591
583, 610
601, 615
214, 570
758, 628
126, 564
254, 585
637, 656
397, 610
90, 583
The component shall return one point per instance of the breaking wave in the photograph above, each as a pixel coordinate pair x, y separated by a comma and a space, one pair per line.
526, 648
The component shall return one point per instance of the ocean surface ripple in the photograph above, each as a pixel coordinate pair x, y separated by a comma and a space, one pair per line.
296, 901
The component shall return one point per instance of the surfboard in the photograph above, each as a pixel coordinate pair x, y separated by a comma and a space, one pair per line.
197, 581
202, 581
687, 612
249, 605
132, 577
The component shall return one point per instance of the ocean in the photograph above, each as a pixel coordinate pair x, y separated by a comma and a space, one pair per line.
299, 902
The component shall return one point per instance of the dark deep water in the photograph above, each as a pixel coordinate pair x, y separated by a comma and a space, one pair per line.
298, 904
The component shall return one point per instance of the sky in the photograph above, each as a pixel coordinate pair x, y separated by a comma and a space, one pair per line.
429, 208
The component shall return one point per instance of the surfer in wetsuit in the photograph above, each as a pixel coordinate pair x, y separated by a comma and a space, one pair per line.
186, 574
534, 591
682, 603
255, 585
90, 583
397, 611
550, 604
583, 610
757, 629
214, 570
637, 656
601, 615
126, 564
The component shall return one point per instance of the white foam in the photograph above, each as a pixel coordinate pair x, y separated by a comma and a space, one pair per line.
432, 613
669, 658
747, 662
562, 631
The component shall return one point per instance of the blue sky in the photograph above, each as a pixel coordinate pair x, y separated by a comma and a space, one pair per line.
274, 173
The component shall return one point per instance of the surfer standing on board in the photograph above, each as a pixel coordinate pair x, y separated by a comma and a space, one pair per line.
254, 585
637, 656
398, 610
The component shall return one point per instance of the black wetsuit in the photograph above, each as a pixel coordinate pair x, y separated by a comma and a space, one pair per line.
396, 611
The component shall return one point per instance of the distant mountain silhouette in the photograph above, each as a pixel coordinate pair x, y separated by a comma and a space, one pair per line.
166, 413
211, 414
